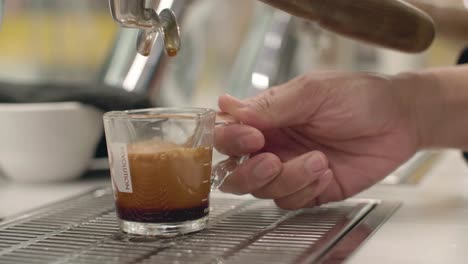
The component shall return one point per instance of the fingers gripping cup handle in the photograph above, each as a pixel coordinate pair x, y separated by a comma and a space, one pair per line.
222, 170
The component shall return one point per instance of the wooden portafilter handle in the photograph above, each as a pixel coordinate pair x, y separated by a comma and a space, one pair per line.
393, 24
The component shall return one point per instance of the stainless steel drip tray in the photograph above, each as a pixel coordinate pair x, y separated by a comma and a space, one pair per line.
84, 230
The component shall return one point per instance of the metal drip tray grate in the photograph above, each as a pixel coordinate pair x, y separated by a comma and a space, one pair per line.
84, 230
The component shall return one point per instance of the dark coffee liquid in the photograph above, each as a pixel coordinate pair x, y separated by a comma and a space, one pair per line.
162, 216
170, 184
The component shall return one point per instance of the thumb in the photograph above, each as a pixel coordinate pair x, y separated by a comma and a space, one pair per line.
289, 104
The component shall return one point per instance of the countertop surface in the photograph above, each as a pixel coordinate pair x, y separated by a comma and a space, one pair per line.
432, 224
430, 227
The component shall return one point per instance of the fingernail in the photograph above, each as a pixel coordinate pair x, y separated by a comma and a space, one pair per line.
235, 101
265, 169
315, 163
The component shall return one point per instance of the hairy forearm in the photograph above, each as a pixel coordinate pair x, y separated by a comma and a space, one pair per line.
438, 103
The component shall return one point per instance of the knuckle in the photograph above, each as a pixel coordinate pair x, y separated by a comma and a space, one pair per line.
311, 87
308, 82
263, 103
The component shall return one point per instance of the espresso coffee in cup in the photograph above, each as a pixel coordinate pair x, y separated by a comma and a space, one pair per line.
161, 166
169, 183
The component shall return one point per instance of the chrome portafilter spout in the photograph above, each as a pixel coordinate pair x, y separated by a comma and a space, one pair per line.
141, 14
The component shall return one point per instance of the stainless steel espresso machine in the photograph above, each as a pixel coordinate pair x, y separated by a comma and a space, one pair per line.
140, 14
143, 66
401, 26
151, 30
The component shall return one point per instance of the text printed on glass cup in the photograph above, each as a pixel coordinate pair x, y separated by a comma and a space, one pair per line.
121, 174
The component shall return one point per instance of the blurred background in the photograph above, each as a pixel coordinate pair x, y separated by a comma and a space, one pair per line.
224, 43
54, 40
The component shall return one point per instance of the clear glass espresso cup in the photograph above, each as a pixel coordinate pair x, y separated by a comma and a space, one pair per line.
161, 167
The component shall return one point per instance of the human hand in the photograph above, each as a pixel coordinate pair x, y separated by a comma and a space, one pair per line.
319, 138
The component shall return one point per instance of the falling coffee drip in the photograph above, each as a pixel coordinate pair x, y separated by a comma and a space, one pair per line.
171, 32
166, 25
171, 52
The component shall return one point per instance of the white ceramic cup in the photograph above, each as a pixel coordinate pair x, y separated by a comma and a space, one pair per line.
47, 142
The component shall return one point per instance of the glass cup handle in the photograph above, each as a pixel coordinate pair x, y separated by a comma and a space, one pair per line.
223, 169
